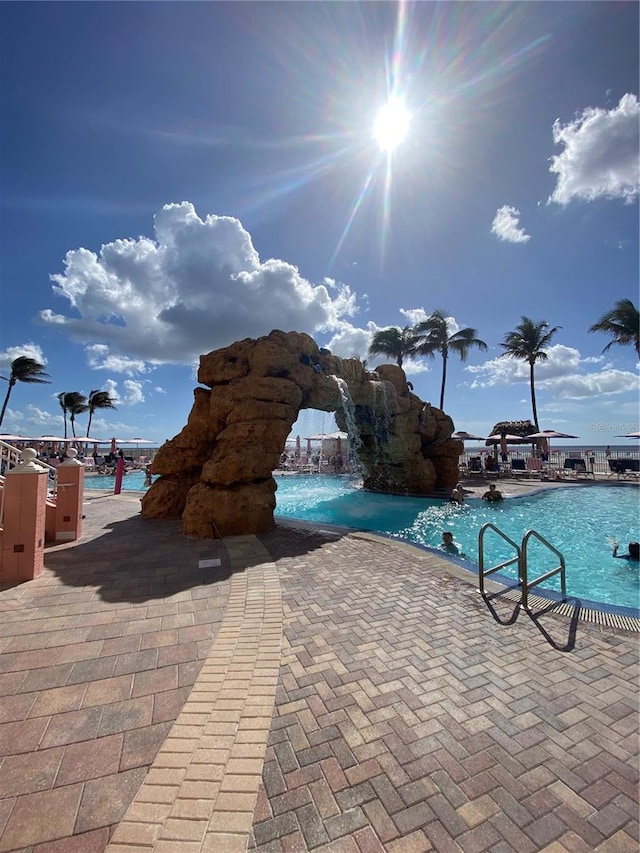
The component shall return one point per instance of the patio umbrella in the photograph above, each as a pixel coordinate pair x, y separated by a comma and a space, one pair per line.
549, 434
54, 438
461, 435
503, 439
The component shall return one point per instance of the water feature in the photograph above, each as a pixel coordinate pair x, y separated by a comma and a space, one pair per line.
381, 427
349, 413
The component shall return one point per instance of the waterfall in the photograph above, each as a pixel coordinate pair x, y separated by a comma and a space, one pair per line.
381, 430
349, 412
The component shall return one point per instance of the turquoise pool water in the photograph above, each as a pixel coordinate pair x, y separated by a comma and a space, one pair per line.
576, 521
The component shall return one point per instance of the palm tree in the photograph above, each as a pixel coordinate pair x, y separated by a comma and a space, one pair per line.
622, 323
23, 369
77, 406
527, 342
435, 337
73, 403
98, 400
394, 342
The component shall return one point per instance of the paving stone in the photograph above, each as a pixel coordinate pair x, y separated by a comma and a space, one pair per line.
40, 817
105, 800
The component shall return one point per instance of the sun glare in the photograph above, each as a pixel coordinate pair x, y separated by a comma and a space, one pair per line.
391, 124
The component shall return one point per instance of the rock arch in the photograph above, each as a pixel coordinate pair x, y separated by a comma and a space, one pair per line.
216, 474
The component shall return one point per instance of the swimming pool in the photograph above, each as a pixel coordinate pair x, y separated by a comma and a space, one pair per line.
576, 521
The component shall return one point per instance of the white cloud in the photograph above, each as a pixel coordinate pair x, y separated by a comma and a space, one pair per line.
41, 419
561, 375
159, 390
604, 383
506, 223
600, 156
99, 358
131, 396
133, 392
29, 350
197, 286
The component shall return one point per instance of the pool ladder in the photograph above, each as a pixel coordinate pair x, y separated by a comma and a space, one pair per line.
521, 558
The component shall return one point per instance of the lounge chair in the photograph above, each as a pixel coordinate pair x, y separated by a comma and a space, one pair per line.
624, 468
518, 467
475, 467
576, 468
534, 467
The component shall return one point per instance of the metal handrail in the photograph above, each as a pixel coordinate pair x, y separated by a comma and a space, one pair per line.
526, 583
482, 572
521, 559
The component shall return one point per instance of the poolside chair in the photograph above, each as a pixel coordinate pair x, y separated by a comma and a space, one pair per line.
534, 467
475, 467
518, 467
580, 469
624, 468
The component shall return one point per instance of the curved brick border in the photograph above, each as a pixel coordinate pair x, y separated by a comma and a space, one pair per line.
201, 789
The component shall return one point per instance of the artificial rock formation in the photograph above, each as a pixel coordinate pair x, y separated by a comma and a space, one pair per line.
216, 474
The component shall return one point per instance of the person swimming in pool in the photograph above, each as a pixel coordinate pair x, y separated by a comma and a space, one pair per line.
634, 552
493, 495
448, 544
457, 494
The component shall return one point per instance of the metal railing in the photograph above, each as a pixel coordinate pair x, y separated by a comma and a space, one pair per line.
482, 572
524, 569
522, 561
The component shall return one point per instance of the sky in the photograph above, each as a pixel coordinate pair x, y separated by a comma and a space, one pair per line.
178, 176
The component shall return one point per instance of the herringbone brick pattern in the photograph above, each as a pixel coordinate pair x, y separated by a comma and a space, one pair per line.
408, 719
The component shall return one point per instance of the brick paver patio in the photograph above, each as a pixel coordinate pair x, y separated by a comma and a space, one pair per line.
301, 691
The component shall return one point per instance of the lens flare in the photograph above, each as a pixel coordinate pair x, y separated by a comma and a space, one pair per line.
391, 125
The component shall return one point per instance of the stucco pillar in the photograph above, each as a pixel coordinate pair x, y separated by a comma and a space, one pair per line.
25, 497
69, 495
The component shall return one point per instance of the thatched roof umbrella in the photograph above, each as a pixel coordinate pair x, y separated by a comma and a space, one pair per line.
512, 428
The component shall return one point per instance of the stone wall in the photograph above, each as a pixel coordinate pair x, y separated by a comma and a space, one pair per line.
216, 474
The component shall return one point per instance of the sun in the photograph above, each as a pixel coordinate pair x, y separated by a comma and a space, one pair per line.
391, 125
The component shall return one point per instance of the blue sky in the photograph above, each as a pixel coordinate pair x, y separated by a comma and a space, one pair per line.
177, 176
